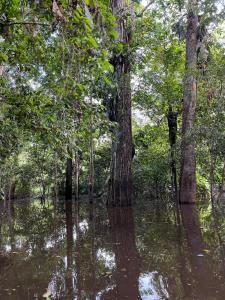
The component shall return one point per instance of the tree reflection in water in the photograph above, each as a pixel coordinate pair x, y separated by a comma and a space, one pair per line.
200, 272
121, 224
69, 249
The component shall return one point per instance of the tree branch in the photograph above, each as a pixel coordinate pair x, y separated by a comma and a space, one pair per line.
23, 23
145, 8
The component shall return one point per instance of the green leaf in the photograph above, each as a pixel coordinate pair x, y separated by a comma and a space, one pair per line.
92, 42
3, 57
105, 65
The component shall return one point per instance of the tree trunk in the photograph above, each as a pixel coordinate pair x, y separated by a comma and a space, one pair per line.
120, 184
223, 177
188, 164
172, 125
91, 174
212, 179
91, 162
77, 174
69, 175
12, 190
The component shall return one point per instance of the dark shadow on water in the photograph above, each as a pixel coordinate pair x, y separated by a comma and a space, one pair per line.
79, 277
93, 250
69, 249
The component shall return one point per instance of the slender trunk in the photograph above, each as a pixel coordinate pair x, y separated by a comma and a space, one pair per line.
223, 177
77, 174
12, 190
172, 125
91, 162
120, 184
43, 196
221, 190
56, 184
9, 193
188, 164
11, 220
91, 172
212, 188
69, 175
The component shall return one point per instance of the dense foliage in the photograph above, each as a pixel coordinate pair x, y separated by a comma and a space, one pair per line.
57, 78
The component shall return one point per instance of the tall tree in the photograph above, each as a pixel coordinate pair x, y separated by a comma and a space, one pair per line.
121, 174
188, 164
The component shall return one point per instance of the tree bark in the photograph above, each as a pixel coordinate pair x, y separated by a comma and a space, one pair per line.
91, 161
188, 164
120, 184
69, 175
77, 175
223, 177
172, 125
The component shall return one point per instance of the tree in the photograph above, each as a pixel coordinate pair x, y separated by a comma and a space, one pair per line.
188, 163
120, 185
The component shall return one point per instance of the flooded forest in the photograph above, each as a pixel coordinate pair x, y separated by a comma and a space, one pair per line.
112, 149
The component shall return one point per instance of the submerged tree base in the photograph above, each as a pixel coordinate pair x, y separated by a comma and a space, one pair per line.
120, 194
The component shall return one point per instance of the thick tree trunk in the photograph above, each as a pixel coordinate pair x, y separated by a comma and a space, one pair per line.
120, 185
188, 164
69, 176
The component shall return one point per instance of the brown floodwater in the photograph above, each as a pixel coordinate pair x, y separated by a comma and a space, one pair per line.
81, 251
